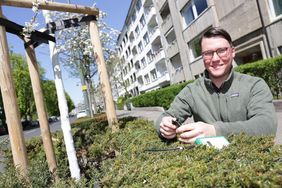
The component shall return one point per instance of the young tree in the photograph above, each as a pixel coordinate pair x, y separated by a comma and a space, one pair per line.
76, 50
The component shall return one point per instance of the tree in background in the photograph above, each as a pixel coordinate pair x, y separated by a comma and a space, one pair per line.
115, 71
23, 86
24, 89
51, 99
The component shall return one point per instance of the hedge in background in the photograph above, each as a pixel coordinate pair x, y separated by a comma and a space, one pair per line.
269, 69
161, 97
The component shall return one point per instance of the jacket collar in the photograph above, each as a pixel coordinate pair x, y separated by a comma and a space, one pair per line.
225, 85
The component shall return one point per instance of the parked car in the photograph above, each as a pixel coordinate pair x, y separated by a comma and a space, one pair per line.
3, 128
30, 124
53, 119
3, 131
81, 114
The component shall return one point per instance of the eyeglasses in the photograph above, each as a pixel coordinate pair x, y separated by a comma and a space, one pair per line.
221, 52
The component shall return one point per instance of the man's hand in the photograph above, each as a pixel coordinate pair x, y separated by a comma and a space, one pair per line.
188, 133
167, 129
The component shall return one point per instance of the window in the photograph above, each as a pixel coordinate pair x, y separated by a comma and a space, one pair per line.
147, 79
140, 46
140, 80
249, 55
280, 49
150, 56
195, 47
153, 74
146, 39
137, 31
137, 65
170, 37
142, 21
133, 17
138, 5
134, 77
192, 10
276, 7
143, 62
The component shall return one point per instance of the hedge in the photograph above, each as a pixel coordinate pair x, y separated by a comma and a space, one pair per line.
268, 69
122, 159
161, 97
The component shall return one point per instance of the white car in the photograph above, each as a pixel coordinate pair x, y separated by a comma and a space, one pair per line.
81, 114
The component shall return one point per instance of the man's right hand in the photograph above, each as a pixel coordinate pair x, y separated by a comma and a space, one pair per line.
167, 128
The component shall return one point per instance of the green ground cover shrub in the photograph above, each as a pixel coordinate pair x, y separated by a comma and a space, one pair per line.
120, 159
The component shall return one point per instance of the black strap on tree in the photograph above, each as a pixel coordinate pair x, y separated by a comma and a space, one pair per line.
36, 37
73, 22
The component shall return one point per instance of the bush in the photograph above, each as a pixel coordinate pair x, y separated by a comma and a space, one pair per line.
121, 159
269, 69
234, 166
120, 102
161, 97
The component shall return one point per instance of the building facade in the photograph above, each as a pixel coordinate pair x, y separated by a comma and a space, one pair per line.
140, 49
159, 43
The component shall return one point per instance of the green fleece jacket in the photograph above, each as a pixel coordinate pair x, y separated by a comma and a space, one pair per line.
242, 104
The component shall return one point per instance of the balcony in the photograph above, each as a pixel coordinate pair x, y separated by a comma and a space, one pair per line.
172, 49
159, 56
160, 4
164, 79
150, 15
148, 3
178, 75
154, 34
167, 24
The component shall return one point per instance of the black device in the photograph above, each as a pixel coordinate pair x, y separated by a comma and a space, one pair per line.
175, 122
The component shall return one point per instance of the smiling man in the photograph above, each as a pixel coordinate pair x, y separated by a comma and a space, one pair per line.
223, 102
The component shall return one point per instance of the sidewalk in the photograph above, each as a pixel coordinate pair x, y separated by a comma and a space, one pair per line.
152, 113
149, 113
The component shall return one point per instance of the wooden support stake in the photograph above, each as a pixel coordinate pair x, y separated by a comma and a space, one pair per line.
41, 109
47, 5
13, 117
106, 88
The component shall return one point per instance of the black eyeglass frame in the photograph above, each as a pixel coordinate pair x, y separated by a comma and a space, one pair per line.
220, 52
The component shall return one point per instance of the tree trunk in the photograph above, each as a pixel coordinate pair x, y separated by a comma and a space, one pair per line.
63, 107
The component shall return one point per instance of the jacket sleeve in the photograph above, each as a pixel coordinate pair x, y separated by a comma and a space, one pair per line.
180, 108
261, 116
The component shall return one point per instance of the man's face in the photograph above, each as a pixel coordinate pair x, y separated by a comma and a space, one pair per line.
217, 56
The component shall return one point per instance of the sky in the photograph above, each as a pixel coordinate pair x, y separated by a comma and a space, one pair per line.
116, 13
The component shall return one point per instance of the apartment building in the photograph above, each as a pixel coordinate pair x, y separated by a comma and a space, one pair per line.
159, 43
254, 26
143, 66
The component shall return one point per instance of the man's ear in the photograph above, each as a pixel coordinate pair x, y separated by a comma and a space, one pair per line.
233, 52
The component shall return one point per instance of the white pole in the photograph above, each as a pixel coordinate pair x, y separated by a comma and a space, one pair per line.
65, 123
